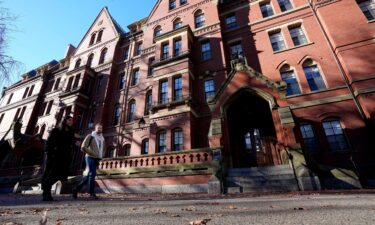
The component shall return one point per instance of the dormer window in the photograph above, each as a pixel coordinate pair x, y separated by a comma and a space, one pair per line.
92, 40
100, 34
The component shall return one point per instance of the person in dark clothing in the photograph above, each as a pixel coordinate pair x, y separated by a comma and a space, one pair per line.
59, 150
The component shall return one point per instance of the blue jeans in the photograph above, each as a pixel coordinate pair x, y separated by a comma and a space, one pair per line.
90, 178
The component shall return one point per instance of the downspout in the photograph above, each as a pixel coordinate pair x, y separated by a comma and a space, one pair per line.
342, 71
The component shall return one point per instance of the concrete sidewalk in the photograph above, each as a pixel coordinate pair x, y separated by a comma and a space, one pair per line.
344, 207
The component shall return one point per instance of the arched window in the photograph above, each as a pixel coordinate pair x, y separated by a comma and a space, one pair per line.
313, 76
162, 141
145, 146
199, 19
100, 34
103, 55
42, 130
70, 82
76, 81
111, 152
92, 40
309, 138
335, 135
177, 139
78, 63
131, 111
177, 23
127, 149
89, 59
116, 115
148, 102
290, 78
36, 130
157, 31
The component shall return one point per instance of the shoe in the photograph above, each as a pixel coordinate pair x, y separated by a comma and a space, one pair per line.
75, 194
47, 197
94, 197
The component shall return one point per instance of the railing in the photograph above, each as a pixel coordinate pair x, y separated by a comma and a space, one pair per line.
171, 101
195, 157
170, 58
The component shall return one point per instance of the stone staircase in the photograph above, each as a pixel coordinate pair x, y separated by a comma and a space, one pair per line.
34, 186
260, 179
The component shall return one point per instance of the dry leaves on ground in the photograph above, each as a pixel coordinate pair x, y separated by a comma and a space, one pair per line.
232, 207
189, 208
160, 211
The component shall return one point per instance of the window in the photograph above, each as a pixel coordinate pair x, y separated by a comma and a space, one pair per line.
148, 102
266, 9
121, 81
183, 2
70, 82
135, 78
1, 118
103, 55
287, 75
177, 47
17, 114
145, 147
236, 50
209, 88
10, 98
100, 34
89, 60
248, 141
127, 149
335, 135
206, 50
151, 69
131, 111
99, 84
138, 49
57, 83
157, 31
298, 36
231, 21
78, 63
277, 41
42, 130
92, 118
116, 115
177, 140
126, 53
92, 40
76, 81
199, 19
25, 93
31, 91
42, 109
285, 5
177, 88
22, 112
163, 98
313, 76
162, 141
48, 111
164, 51
368, 8
309, 138
177, 23
172, 4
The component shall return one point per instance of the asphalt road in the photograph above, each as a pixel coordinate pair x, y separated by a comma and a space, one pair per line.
276, 209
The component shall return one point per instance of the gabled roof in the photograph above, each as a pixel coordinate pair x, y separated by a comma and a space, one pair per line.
153, 10
113, 22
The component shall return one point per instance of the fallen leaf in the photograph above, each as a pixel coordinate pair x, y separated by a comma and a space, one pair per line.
299, 208
176, 215
200, 222
232, 207
190, 208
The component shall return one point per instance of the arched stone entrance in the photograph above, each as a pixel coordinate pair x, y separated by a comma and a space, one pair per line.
250, 130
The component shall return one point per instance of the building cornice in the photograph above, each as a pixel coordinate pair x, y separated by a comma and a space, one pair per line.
19, 103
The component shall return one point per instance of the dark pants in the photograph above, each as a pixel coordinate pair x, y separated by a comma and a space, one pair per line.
90, 178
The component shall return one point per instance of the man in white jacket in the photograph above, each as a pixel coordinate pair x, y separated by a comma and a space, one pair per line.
94, 147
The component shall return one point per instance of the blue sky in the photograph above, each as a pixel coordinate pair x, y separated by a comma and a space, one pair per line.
44, 28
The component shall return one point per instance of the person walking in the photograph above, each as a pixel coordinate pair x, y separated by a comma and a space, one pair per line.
59, 148
94, 147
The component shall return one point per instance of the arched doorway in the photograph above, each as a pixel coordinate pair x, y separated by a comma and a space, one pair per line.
250, 130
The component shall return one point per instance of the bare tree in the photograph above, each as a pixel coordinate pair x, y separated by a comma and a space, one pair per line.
8, 65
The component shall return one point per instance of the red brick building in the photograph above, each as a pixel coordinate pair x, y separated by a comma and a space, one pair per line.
199, 88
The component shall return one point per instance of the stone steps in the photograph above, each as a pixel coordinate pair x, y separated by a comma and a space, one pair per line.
261, 179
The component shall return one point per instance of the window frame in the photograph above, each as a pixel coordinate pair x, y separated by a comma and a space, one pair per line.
211, 91
199, 19
265, 4
163, 91
161, 148
131, 111
281, 44
177, 88
177, 146
342, 135
206, 52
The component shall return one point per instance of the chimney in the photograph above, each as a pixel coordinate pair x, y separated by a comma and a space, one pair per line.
69, 50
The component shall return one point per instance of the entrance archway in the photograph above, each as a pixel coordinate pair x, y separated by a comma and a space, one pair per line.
250, 130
